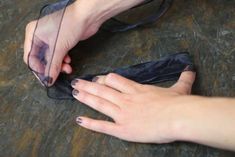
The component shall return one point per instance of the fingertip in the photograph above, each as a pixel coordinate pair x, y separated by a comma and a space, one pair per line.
66, 68
185, 82
67, 59
52, 72
188, 76
84, 121
101, 126
79, 120
121, 83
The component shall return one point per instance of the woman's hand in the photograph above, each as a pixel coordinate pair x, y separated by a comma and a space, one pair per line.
74, 28
81, 20
150, 114
141, 113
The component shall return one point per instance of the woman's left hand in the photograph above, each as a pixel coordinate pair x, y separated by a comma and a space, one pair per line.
141, 113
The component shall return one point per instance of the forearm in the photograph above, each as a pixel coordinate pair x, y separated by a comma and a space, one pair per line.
102, 10
209, 121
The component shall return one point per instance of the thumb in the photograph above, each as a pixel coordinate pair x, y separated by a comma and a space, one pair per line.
185, 83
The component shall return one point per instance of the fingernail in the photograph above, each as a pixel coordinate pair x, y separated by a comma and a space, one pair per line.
190, 68
74, 82
48, 80
75, 92
95, 79
79, 120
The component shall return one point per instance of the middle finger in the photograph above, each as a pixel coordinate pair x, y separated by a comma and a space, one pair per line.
98, 90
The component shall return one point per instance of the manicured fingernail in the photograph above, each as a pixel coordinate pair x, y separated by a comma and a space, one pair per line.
95, 79
48, 80
190, 68
75, 92
74, 82
79, 120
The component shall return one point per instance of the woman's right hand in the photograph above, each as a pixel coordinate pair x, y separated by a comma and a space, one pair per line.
75, 27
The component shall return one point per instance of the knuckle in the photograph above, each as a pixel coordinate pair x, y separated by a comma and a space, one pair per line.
89, 124
81, 85
137, 87
98, 103
96, 126
111, 77
100, 80
100, 90
102, 128
185, 83
97, 90
146, 87
127, 98
83, 96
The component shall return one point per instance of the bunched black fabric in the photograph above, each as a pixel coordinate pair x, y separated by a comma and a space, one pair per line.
168, 68
43, 45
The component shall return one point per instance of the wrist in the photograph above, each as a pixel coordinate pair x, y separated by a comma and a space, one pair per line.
98, 11
185, 113
206, 121
175, 125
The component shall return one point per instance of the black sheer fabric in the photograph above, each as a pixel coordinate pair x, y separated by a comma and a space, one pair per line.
168, 68
43, 45
43, 51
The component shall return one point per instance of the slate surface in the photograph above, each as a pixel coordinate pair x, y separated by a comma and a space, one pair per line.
33, 125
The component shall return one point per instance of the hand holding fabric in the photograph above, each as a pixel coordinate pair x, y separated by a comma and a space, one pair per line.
141, 113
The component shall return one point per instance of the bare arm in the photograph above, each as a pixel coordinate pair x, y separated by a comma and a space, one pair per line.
102, 10
209, 121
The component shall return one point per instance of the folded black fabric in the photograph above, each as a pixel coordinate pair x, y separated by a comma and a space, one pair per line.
166, 69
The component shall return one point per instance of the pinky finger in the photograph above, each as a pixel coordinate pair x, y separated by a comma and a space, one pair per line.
101, 126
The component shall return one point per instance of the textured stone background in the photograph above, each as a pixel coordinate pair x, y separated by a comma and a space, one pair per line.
33, 125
